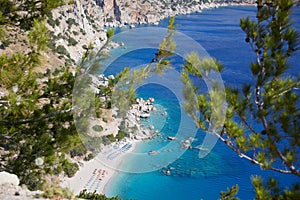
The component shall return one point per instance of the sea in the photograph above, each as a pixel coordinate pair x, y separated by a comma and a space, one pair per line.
190, 176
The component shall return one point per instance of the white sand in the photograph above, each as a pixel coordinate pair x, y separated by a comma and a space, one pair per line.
85, 179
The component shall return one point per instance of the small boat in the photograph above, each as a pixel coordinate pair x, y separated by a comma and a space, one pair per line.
152, 152
200, 148
167, 172
172, 138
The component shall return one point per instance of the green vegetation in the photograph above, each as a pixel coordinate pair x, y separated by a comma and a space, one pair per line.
85, 47
78, 151
97, 128
39, 36
53, 191
89, 195
89, 157
121, 135
31, 130
72, 41
51, 21
70, 168
71, 22
271, 101
23, 13
62, 50
230, 193
36, 124
37, 127
108, 139
6, 43
110, 33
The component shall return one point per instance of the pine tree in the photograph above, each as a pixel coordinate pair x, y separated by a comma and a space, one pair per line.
272, 102
22, 13
36, 123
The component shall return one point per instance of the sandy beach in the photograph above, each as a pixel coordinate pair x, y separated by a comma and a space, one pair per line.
94, 175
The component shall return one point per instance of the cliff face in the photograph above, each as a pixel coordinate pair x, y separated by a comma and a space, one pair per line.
75, 26
119, 12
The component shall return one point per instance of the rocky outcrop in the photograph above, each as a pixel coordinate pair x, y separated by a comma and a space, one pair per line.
73, 27
76, 26
141, 109
122, 12
10, 189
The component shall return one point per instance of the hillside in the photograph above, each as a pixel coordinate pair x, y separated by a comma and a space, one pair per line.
75, 25
38, 74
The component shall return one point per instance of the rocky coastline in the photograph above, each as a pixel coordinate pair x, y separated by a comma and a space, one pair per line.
142, 108
75, 26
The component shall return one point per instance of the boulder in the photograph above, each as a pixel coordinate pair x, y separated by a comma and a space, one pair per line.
6, 177
111, 77
151, 127
145, 115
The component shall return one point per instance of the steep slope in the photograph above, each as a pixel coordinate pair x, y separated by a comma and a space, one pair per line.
76, 25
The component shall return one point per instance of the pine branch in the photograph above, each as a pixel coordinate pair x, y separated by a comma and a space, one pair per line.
25, 121
252, 160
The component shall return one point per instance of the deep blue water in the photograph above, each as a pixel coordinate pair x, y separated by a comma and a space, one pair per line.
218, 31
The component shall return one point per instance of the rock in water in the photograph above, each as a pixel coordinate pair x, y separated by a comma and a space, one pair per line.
151, 127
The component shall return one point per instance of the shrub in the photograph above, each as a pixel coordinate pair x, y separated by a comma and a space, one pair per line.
57, 170
84, 47
78, 151
97, 128
70, 168
71, 22
90, 156
6, 43
71, 2
108, 139
51, 22
82, 31
93, 195
121, 135
110, 19
57, 22
72, 41
61, 50
69, 62
110, 33
54, 191
51, 45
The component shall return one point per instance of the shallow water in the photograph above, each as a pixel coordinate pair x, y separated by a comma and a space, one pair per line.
218, 31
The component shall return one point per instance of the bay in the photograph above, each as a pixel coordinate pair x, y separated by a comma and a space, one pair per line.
218, 31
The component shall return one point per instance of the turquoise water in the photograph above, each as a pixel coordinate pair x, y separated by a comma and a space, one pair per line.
218, 31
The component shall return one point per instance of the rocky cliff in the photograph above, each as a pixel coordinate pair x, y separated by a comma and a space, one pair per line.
76, 25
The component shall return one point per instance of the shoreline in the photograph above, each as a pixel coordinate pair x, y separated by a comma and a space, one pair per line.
183, 9
121, 161
113, 175
79, 182
93, 20
95, 175
88, 176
